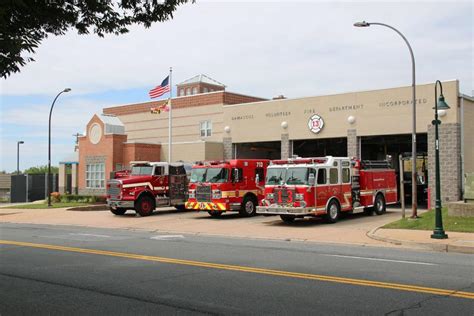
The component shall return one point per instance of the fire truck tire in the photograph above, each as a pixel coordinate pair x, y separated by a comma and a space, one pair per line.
379, 204
249, 206
118, 211
333, 212
145, 206
287, 218
215, 213
181, 207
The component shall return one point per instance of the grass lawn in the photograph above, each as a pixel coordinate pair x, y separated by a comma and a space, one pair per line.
45, 205
427, 222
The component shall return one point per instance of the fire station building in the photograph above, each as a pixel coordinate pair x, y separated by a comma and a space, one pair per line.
212, 123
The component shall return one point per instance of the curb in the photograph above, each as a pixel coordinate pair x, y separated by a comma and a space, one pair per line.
430, 246
97, 207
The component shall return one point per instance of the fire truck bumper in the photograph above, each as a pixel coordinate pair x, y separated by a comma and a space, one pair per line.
212, 206
120, 204
275, 210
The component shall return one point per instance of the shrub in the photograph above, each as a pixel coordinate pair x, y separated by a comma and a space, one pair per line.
83, 198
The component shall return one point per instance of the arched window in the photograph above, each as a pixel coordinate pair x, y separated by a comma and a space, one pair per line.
188, 91
181, 92
195, 90
205, 90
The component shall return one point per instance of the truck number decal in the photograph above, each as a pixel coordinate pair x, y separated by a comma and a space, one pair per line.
259, 164
289, 196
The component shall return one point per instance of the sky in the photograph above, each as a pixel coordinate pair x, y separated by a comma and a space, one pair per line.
258, 48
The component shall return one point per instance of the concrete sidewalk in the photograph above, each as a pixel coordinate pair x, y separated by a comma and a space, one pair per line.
351, 229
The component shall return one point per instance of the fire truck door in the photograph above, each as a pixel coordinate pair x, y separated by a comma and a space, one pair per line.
335, 187
321, 187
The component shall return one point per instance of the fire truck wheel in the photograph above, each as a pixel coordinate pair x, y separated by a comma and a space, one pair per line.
118, 211
249, 207
379, 204
145, 206
287, 218
181, 207
333, 212
215, 213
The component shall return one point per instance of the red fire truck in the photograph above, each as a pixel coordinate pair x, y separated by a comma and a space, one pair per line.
231, 185
148, 185
327, 186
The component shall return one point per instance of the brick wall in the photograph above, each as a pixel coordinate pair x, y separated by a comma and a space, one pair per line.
220, 97
450, 162
352, 143
285, 146
228, 148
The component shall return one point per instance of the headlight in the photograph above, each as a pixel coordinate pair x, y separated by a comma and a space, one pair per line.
299, 196
269, 196
216, 194
192, 194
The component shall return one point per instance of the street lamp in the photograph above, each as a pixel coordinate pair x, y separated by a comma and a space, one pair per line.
440, 104
48, 182
18, 143
413, 137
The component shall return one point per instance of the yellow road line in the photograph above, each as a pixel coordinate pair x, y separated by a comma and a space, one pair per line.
360, 282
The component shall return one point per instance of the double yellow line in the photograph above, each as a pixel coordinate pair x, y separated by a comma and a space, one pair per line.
297, 275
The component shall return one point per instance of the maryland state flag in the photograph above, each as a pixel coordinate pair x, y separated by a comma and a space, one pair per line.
161, 108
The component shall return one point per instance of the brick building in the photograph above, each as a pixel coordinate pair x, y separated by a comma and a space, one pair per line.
216, 124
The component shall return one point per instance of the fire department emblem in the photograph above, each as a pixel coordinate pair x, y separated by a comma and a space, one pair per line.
315, 123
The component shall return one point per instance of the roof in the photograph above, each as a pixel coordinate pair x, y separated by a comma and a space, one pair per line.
202, 78
112, 124
70, 159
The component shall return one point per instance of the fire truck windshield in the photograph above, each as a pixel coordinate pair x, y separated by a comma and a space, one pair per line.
275, 176
217, 175
211, 175
296, 176
141, 170
198, 175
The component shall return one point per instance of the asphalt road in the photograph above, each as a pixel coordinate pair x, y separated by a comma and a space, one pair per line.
76, 270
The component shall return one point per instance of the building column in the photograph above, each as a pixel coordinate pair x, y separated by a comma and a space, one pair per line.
228, 148
62, 179
285, 146
74, 177
353, 143
450, 162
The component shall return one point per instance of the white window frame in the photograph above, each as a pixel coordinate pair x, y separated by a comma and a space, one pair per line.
95, 175
205, 128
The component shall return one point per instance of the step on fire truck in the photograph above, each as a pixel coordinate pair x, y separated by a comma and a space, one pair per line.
327, 186
148, 185
231, 185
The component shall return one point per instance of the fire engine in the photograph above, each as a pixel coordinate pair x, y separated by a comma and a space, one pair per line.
148, 185
231, 185
327, 186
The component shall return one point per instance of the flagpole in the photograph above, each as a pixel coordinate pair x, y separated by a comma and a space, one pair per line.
170, 118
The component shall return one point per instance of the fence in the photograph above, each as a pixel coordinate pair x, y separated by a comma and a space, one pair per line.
31, 187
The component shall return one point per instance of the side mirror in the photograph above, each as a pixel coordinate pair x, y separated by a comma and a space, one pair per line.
236, 175
311, 179
257, 179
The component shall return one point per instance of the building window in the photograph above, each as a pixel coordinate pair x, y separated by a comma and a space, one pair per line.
205, 90
195, 90
205, 128
95, 176
188, 91
181, 92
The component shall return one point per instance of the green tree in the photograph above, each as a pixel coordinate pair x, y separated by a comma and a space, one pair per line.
41, 170
25, 23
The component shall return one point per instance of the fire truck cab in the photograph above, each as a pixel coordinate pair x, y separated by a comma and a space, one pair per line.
230, 185
327, 186
148, 185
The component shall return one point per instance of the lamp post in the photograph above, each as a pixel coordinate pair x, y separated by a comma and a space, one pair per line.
414, 203
440, 104
48, 182
18, 143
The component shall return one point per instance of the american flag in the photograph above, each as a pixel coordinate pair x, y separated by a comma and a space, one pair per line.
161, 89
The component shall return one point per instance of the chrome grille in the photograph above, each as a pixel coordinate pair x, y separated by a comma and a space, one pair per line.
203, 193
114, 189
